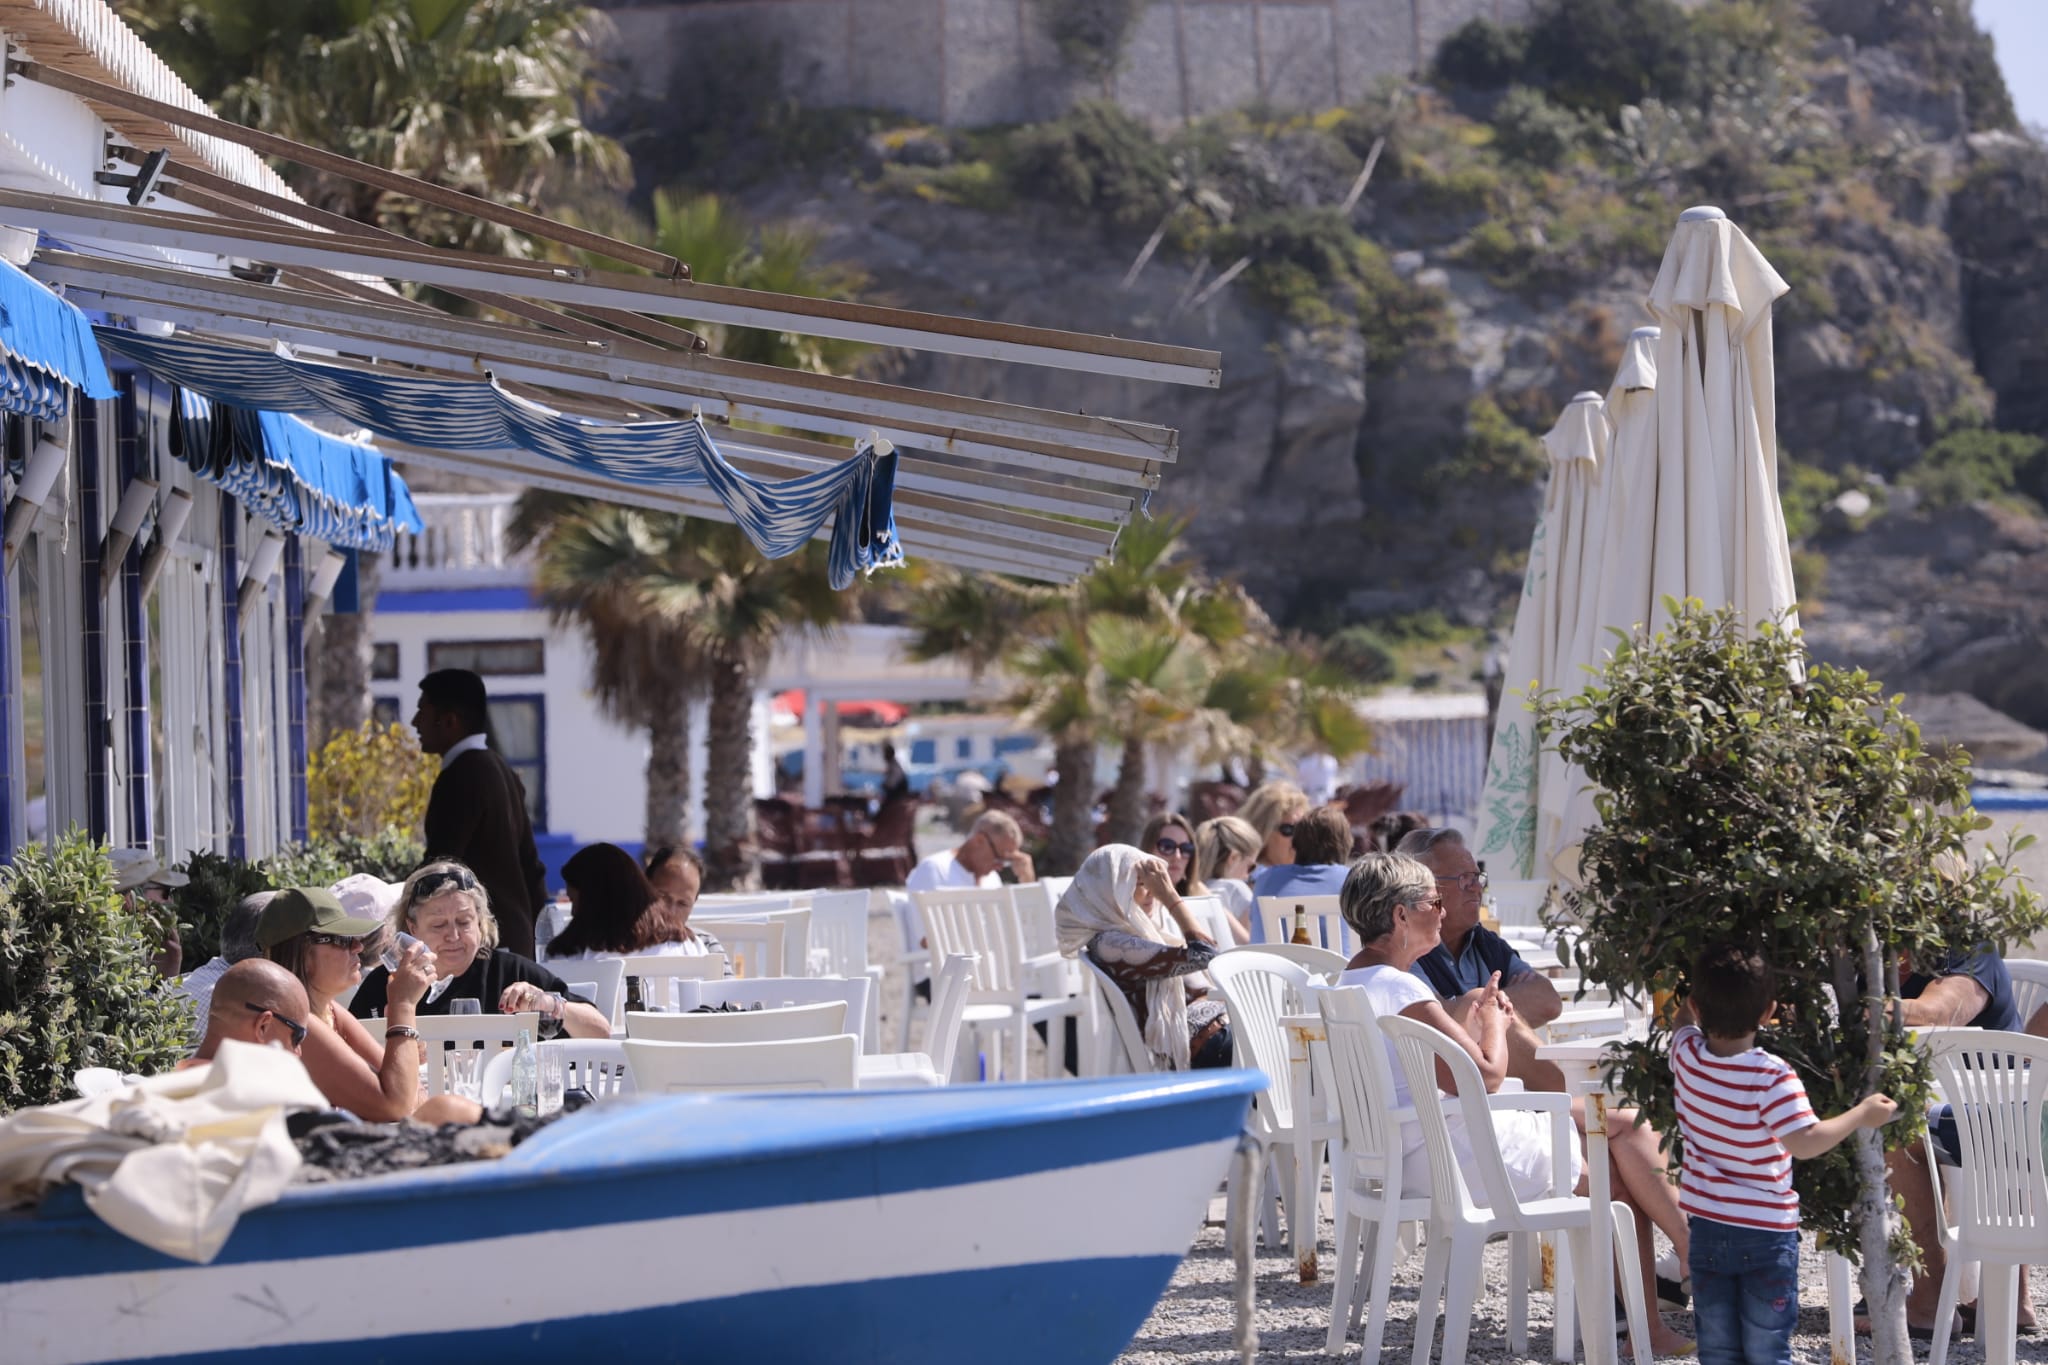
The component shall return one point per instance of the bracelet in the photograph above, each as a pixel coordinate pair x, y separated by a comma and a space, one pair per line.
401, 1031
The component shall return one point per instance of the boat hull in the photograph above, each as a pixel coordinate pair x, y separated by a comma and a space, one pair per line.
973, 1223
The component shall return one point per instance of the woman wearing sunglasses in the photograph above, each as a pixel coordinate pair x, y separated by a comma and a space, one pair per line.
1273, 809
446, 908
306, 931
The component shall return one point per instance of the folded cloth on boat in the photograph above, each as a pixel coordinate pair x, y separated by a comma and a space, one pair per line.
170, 1161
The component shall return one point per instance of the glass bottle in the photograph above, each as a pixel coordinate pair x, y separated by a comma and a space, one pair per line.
1301, 925
525, 1077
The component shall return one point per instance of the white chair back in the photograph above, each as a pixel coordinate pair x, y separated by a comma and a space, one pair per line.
713, 905
1326, 926
792, 1064
1208, 912
1364, 1081
600, 980
1120, 1046
949, 1007
755, 946
1260, 988
594, 1064
661, 975
2029, 986
1469, 1189
778, 992
1997, 1088
491, 1032
741, 1026
1321, 962
981, 924
1055, 887
1035, 903
1519, 904
839, 932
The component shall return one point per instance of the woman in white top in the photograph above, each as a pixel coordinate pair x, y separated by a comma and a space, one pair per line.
1226, 851
1391, 903
617, 912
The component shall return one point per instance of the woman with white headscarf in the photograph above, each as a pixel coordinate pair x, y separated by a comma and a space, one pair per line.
1123, 912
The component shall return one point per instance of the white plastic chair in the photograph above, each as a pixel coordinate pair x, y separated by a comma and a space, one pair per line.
1519, 906
913, 957
759, 947
491, 1032
594, 1064
663, 978
1996, 1084
934, 1065
600, 980
741, 1026
2029, 986
793, 1064
839, 932
1321, 962
1037, 909
1260, 988
794, 957
1367, 1182
985, 925
777, 992
1119, 1045
1472, 1198
1326, 926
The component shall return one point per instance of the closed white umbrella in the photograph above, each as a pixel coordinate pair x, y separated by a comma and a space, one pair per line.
1564, 552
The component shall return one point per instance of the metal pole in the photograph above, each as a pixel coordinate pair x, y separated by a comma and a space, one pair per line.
98, 728
295, 679
231, 673
135, 635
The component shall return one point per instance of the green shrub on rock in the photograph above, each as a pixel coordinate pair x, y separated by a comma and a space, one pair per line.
76, 985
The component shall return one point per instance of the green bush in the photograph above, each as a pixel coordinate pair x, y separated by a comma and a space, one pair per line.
1597, 55
218, 885
1096, 157
1976, 463
1481, 55
76, 985
1362, 653
1091, 34
1529, 127
219, 882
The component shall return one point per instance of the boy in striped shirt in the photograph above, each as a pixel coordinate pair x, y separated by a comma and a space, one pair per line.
1745, 1116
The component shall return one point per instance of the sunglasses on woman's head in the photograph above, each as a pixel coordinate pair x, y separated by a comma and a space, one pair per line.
292, 1026
1285, 829
337, 941
434, 883
1166, 848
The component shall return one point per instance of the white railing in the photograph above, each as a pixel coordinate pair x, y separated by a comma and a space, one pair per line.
463, 544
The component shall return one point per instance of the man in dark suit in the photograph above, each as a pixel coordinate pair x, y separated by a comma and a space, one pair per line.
477, 813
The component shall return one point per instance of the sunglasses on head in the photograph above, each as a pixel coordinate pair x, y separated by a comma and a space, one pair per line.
353, 943
292, 1026
431, 885
1285, 829
1166, 848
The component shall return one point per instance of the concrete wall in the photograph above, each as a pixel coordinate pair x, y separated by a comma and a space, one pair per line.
975, 62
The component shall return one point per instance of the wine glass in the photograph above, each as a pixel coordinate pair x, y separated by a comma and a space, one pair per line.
465, 1005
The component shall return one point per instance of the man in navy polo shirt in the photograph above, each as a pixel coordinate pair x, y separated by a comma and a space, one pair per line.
1471, 953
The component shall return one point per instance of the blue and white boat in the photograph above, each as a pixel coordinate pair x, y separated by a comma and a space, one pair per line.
976, 1223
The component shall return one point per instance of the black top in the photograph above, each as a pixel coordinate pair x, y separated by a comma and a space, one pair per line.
485, 981
477, 816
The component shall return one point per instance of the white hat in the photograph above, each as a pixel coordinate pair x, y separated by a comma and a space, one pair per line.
135, 868
368, 896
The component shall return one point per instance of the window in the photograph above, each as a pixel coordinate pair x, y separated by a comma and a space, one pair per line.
1016, 744
519, 732
963, 747
503, 658
384, 662
924, 752
386, 711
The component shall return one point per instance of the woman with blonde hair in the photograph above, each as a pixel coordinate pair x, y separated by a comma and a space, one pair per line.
1226, 851
446, 907
1272, 809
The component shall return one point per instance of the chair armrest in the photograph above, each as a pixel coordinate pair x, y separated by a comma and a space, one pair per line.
1043, 960
1535, 1101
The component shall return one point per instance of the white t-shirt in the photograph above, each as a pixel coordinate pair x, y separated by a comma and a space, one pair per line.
942, 872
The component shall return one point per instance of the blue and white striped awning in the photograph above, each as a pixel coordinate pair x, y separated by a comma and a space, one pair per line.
778, 516
299, 479
46, 347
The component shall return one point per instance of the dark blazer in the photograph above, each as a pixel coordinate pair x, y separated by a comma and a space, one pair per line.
477, 816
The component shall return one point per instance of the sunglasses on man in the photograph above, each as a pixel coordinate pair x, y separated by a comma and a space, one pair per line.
292, 1026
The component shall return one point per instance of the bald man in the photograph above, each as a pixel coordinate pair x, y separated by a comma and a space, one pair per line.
258, 1002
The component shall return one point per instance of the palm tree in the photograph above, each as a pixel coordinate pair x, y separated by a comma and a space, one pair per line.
627, 578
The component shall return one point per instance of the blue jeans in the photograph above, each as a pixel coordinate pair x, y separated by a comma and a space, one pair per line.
1745, 1293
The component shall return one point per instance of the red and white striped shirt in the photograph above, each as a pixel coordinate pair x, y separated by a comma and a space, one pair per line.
1732, 1111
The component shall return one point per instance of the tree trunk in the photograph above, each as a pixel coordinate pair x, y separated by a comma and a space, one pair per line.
338, 663
668, 768
730, 859
1073, 807
1127, 797
1885, 1281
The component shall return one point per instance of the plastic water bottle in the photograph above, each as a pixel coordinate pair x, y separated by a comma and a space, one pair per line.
525, 1077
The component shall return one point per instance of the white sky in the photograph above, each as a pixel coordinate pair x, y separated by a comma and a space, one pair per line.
2020, 28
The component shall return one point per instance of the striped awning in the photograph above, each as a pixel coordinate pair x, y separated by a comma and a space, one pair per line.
778, 516
299, 479
46, 347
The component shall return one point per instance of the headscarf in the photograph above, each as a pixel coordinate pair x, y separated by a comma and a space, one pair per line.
1103, 896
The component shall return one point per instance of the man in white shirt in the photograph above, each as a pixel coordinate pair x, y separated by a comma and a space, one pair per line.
993, 842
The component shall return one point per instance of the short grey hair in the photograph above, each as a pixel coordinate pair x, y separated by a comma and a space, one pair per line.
997, 822
1420, 843
1377, 886
238, 931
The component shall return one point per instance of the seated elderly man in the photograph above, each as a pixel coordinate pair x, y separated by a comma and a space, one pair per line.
254, 1001
993, 842
237, 944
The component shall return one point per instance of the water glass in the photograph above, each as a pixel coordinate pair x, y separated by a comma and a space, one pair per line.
464, 1066
548, 1074
465, 1005
394, 951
